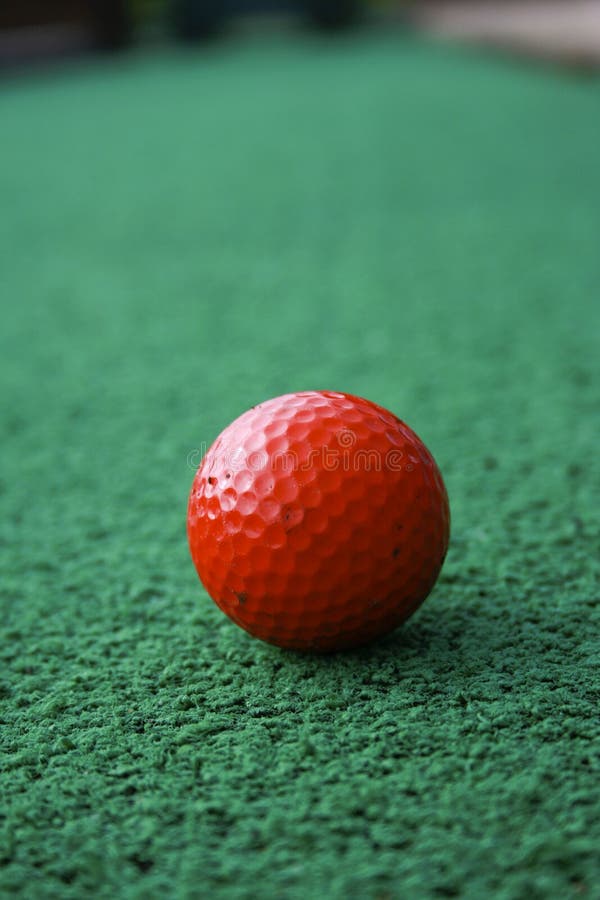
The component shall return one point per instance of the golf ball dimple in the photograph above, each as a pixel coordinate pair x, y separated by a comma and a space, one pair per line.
318, 521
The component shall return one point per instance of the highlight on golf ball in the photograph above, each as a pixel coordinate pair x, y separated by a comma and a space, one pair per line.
318, 521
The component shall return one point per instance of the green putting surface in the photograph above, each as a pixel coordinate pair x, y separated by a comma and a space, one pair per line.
183, 236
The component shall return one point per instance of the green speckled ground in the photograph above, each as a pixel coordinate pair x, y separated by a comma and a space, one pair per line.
182, 237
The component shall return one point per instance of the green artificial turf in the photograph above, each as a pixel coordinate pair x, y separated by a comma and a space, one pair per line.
181, 237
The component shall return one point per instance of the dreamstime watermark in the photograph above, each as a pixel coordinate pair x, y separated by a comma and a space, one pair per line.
346, 457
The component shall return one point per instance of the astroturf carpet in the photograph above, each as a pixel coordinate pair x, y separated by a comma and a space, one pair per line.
182, 236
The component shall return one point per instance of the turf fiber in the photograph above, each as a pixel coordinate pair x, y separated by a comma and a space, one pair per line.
182, 236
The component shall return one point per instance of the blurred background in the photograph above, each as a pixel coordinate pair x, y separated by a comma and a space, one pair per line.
231, 199
32, 29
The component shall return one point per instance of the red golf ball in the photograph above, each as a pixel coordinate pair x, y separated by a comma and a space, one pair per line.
318, 521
